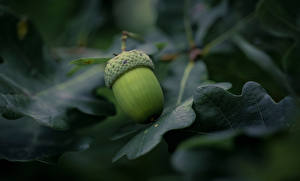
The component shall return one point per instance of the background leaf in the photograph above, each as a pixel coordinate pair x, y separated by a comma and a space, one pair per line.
279, 17
198, 76
291, 66
208, 18
35, 92
24, 139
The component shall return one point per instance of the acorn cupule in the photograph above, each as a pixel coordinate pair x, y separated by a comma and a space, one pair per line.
135, 86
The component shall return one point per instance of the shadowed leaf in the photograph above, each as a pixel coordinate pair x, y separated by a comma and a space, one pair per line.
149, 137
37, 97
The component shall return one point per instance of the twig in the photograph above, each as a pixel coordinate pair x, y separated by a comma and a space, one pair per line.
123, 39
125, 35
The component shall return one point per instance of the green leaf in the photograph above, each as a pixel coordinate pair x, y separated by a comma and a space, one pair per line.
253, 111
24, 139
167, 9
161, 45
208, 19
83, 62
223, 85
148, 48
40, 89
232, 64
223, 20
127, 130
198, 76
198, 154
87, 20
292, 66
36, 93
148, 138
279, 17
171, 84
228, 129
277, 164
200, 163
261, 59
223, 140
156, 43
226, 35
89, 61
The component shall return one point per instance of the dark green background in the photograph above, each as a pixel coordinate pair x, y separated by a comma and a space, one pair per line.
79, 28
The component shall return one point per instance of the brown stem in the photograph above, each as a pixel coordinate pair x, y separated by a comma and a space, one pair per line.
123, 39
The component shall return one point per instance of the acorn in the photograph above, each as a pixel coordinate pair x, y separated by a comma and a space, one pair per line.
135, 86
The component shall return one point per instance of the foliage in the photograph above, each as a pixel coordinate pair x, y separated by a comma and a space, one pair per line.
36, 95
229, 71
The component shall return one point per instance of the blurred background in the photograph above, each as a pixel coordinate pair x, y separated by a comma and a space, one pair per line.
76, 28
94, 24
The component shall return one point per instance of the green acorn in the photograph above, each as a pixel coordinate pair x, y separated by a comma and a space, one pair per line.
135, 87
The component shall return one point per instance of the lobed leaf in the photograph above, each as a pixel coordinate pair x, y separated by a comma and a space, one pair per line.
149, 137
253, 110
36, 96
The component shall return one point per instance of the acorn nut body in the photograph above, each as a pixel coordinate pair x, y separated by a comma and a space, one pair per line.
135, 86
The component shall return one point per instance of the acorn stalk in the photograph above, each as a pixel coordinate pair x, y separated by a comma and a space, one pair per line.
135, 86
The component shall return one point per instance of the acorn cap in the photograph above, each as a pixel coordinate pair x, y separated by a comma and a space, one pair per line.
124, 62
